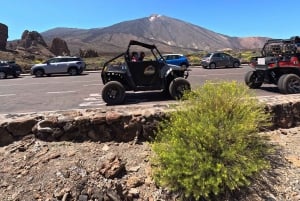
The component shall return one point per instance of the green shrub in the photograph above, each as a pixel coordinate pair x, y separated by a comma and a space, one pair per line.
211, 145
194, 59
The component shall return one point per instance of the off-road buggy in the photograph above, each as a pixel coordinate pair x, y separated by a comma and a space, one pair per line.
279, 65
153, 73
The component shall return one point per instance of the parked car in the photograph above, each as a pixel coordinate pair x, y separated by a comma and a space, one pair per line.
219, 59
176, 59
59, 65
9, 68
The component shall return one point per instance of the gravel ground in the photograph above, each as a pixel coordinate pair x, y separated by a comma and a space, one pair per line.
31, 169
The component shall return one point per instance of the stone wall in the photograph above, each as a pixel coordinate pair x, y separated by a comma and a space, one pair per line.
120, 124
114, 124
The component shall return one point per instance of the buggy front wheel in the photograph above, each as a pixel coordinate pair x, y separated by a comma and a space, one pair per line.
113, 93
178, 86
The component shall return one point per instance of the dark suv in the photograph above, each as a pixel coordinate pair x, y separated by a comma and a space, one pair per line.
9, 68
219, 59
152, 73
59, 65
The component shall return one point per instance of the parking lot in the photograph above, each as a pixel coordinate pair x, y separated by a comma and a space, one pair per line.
63, 92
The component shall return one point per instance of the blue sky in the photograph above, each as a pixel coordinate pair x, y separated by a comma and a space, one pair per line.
270, 18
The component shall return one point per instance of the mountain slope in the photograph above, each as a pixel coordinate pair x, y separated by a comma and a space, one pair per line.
167, 33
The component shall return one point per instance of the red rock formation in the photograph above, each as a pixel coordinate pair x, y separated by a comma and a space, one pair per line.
31, 38
59, 47
3, 36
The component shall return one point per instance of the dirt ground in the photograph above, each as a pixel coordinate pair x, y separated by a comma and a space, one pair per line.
31, 169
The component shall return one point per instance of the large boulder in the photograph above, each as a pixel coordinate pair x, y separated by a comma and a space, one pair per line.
31, 38
59, 47
3, 36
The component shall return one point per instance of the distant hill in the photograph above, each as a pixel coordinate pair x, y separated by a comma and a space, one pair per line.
169, 34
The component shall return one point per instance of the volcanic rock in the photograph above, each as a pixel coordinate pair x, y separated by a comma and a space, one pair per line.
3, 36
59, 47
31, 38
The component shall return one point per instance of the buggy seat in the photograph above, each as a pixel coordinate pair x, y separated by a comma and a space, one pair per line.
145, 73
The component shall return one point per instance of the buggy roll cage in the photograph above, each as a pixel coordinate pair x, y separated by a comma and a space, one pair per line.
276, 47
137, 43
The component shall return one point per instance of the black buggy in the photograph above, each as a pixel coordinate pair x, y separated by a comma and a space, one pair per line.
153, 73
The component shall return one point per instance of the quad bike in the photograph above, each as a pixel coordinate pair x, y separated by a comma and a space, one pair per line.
146, 75
279, 65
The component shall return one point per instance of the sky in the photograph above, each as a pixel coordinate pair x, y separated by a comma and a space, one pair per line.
236, 18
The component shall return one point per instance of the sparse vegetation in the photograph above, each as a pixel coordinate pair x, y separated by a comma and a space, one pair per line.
211, 146
96, 63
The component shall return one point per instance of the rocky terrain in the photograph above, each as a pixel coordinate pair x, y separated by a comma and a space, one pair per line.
105, 155
32, 169
30, 49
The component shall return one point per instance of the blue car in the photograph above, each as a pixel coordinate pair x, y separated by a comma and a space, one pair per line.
176, 59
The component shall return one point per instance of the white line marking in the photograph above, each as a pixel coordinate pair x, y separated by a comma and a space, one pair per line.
92, 99
60, 92
45, 83
91, 104
4, 95
23, 84
95, 95
87, 85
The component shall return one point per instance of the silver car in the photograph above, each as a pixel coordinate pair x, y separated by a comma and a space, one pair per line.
219, 59
59, 65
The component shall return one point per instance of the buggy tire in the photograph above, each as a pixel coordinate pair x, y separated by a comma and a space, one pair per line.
113, 93
289, 84
178, 86
252, 80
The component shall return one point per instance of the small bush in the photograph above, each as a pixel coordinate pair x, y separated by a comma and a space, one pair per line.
194, 59
211, 145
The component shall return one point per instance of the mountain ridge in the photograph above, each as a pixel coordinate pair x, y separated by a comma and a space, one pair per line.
169, 34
